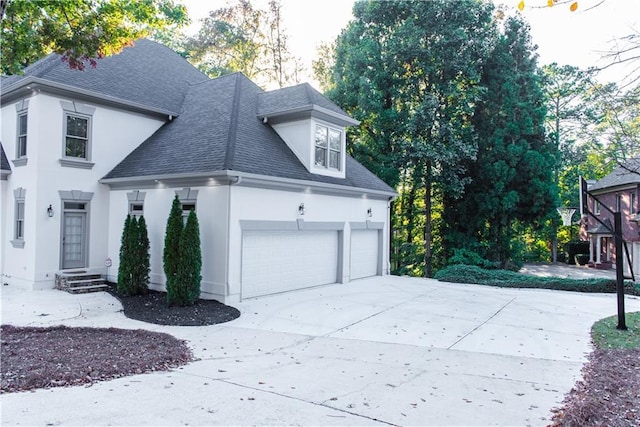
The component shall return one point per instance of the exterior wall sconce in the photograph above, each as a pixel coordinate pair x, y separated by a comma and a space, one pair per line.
369, 212
301, 209
50, 211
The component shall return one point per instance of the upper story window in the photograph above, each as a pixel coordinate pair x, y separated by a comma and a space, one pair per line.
21, 133
76, 136
632, 202
596, 207
76, 150
618, 202
328, 147
22, 136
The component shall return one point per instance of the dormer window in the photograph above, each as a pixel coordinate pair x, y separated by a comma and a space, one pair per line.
328, 145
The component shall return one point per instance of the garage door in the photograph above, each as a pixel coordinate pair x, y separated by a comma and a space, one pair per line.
282, 261
364, 253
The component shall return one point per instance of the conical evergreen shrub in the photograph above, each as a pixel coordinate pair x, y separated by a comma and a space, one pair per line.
190, 266
125, 269
141, 259
171, 252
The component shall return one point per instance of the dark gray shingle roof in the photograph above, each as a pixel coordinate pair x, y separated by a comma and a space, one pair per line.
625, 174
290, 98
147, 73
4, 162
219, 130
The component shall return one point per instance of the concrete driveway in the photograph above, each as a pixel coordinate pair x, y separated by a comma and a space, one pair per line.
380, 351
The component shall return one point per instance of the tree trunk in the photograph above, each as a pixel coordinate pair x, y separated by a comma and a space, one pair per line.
428, 255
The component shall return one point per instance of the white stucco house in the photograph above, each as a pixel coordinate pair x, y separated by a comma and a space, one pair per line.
280, 203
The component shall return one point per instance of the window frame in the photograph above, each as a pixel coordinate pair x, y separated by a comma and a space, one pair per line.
632, 202
327, 147
19, 220
21, 138
86, 138
596, 207
618, 203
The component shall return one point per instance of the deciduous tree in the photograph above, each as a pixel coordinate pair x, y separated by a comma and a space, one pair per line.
80, 30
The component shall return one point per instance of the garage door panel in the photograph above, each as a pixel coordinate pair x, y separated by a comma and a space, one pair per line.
275, 262
364, 253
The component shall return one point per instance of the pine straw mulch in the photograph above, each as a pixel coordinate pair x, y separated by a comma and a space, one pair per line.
608, 395
61, 356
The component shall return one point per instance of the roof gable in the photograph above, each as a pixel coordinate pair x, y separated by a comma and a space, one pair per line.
5, 167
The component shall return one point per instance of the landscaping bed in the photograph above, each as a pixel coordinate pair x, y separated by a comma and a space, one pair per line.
59, 356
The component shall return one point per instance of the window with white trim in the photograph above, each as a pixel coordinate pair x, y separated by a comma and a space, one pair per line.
19, 196
76, 136
21, 151
136, 203
328, 147
632, 202
188, 198
596, 207
618, 202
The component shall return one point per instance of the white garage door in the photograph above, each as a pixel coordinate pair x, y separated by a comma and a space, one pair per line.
364, 253
282, 261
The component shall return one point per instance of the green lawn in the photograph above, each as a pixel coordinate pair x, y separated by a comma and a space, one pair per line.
607, 337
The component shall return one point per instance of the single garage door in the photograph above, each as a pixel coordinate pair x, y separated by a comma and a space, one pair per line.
364, 253
280, 261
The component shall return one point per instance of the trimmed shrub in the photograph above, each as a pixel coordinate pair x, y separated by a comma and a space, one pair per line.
141, 259
125, 283
575, 248
508, 279
469, 257
171, 253
190, 267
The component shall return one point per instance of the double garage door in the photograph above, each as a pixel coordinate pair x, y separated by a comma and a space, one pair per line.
280, 261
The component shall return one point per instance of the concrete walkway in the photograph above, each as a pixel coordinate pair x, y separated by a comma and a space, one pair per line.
380, 351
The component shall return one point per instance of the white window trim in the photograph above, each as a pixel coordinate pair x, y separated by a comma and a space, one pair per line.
22, 110
187, 198
76, 109
618, 202
19, 196
632, 202
328, 148
136, 198
596, 207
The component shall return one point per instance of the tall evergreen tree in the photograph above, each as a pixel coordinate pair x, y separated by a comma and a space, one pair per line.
142, 258
125, 265
190, 267
410, 71
171, 252
511, 179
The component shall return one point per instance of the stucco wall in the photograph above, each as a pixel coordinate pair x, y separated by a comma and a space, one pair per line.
113, 135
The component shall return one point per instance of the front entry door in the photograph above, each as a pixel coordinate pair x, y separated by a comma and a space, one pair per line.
74, 239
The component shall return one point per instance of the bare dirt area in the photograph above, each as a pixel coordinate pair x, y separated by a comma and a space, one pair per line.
608, 394
61, 356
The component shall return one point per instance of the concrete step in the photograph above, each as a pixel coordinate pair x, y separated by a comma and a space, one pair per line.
80, 281
87, 289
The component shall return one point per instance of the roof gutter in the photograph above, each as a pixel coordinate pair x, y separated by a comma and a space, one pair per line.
26, 86
228, 177
305, 111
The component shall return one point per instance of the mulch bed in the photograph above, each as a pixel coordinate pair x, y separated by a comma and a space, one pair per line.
61, 356
153, 308
608, 394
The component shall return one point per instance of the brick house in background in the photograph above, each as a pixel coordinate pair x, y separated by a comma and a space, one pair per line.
619, 191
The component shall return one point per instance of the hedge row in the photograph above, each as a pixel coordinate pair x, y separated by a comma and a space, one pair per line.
509, 279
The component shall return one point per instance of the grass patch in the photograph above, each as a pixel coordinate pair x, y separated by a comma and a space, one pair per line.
607, 337
461, 273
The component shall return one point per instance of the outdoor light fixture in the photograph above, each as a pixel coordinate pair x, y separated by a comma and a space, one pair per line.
369, 212
50, 211
301, 209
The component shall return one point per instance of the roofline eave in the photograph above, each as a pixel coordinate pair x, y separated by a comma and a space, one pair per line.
306, 111
26, 86
246, 179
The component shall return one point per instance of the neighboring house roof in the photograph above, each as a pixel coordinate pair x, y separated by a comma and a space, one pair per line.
606, 228
5, 167
148, 74
624, 175
219, 130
